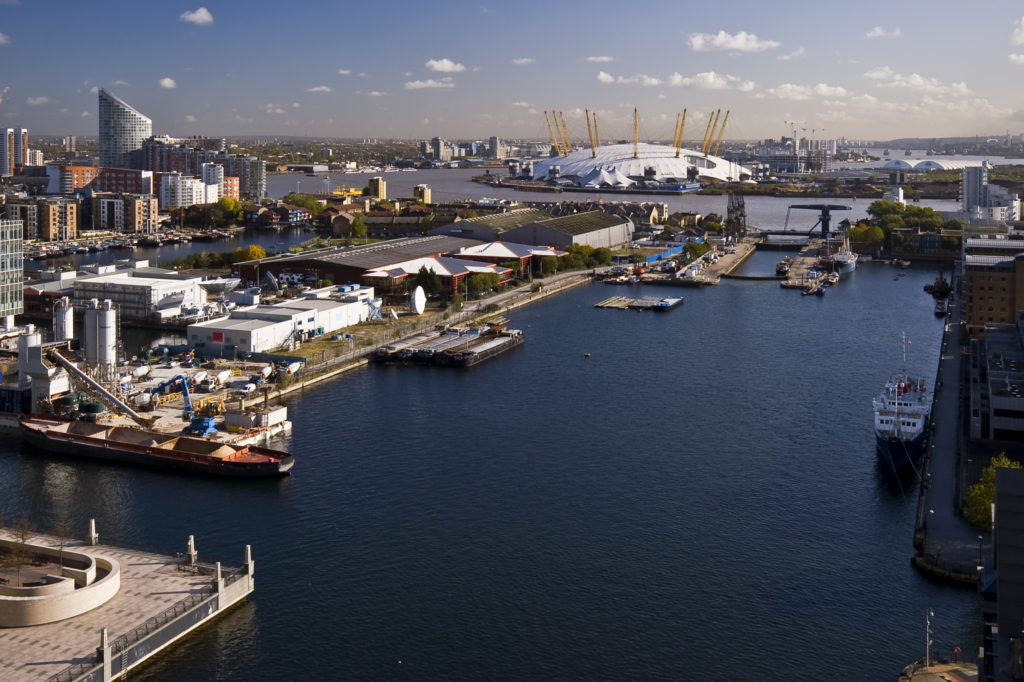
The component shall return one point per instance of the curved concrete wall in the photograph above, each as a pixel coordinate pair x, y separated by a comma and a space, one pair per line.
53, 602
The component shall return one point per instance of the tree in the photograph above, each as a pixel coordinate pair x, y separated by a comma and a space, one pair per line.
484, 281
603, 256
251, 252
226, 211
695, 250
306, 201
62, 531
548, 265
20, 553
429, 280
426, 223
982, 494
712, 226
358, 227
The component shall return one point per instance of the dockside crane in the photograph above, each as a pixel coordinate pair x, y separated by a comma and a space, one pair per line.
554, 140
721, 133
678, 142
825, 219
590, 133
706, 147
565, 134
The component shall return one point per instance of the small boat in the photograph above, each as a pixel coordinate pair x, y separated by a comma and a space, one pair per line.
941, 308
907, 153
820, 291
667, 304
885, 153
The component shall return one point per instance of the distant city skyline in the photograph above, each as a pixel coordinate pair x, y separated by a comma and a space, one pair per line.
227, 68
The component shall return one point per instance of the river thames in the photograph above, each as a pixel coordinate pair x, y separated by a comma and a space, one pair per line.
700, 498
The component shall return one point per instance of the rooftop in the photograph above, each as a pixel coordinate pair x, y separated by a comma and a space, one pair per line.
373, 256
503, 222
990, 261
582, 223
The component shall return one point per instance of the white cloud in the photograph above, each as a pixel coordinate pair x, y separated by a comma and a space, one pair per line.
168, 83
879, 32
916, 82
523, 61
344, 72
5, 39
600, 59
425, 122
363, 75
1018, 33
793, 55
444, 66
120, 82
525, 105
190, 119
531, 111
94, 90
319, 88
741, 42
430, 83
747, 86
65, 111
708, 80
376, 94
662, 97
295, 105
36, 101
201, 16
641, 78
805, 92
1017, 58
86, 114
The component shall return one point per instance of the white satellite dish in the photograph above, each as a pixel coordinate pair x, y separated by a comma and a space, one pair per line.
419, 300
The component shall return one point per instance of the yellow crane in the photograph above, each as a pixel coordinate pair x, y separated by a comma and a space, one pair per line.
567, 141
590, 133
554, 140
718, 142
636, 135
706, 147
597, 131
678, 142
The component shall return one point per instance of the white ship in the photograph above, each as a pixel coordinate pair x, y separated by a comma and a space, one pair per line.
901, 420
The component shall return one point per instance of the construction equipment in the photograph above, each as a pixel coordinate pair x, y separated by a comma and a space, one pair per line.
721, 132
597, 132
203, 426
554, 139
565, 133
590, 133
706, 147
707, 131
678, 142
636, 135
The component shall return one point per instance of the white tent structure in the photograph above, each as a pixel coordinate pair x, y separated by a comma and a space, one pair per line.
658, 159
600, 177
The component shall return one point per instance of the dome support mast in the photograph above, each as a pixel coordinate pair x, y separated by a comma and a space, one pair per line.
679, 134
554, 140
590, 133
636, 135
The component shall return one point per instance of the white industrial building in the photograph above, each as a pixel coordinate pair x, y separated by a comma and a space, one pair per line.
139, 294
263, 328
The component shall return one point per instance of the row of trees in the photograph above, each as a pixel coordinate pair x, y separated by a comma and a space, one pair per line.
226, 211
889, 217
216, 260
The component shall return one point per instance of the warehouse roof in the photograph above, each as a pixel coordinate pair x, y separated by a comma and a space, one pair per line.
582, 223
1007, 244
372, 256
506, 250
503, 222
445, 267
994, 261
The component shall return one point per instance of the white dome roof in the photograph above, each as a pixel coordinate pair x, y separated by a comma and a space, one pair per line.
930, 164
619, 157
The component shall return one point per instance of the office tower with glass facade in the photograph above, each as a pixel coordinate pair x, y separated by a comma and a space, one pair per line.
122, 132
12, 300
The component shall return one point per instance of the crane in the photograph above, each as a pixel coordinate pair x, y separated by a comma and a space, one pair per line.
824, 219
590, 133
567, 141
200, 425
679, 134
711, 136
554, 140
718, 142
597, 132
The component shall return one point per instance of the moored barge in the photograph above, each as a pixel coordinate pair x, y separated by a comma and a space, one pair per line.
151, 448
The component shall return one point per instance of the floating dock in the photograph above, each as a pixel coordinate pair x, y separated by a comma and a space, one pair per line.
111, 609
646, 303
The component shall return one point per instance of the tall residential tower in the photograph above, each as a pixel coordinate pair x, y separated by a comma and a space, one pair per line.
122, 132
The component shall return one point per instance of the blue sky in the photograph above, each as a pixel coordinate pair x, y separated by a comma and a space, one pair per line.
473, 69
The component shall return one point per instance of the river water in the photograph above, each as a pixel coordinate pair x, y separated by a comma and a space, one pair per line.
700, 498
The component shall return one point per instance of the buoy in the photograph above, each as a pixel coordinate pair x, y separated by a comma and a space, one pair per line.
586, 355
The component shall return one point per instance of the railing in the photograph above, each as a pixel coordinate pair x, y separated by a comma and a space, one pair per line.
75, 671
157, 622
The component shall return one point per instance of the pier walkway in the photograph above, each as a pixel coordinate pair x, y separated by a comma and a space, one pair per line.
948, 546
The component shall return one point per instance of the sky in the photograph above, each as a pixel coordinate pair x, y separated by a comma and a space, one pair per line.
469, 70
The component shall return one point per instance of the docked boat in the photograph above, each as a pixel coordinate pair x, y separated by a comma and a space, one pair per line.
666, 304
782, 269
885, 153
941, 308
508, 339
901, 419
135, 446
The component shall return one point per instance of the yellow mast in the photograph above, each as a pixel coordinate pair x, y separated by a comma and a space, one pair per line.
554, 140
565, 134
679, 136
675, 131
706, 131
636, 135
721, 132
597, 131
706, 147
590, 133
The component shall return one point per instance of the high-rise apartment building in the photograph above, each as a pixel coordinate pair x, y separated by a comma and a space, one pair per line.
13, 149
165, 154
250, 171
12, 300
34, 158
378, 188
214, 175
45, 218
440, 149
496, 149
980, 200
122, 132
422, 192
182, 191
69, 143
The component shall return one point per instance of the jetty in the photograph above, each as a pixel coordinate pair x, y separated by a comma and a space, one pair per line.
644, 303
86, 612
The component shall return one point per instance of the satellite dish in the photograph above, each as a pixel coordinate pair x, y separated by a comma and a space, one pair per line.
419, 300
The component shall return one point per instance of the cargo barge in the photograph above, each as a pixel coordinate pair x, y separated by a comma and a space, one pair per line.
150, 448
507, 340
